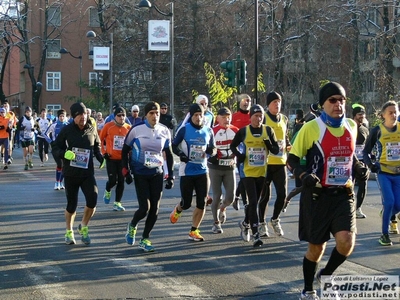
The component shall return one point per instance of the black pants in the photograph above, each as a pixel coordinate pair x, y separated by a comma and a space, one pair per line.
115, 177
149, 192
88, 186
43, 146
200, 184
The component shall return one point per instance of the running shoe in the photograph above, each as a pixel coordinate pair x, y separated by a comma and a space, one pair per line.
309, 295
62, 186
145, 244
385, 240
69, 237
118, 206
217, 228
235, 203
84, 232
360, 214
276, 225
57, 186
222, 216
9, 161
245, 231
107, 197
30, 164
195, 235
42, 164
257, 242
263, 230
5, 167
393, 229
130, 234
26, 167
174, 216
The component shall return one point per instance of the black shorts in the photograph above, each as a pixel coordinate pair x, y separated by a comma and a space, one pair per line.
328, 213
25, 144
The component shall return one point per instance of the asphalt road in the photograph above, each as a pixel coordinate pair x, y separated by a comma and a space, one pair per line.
36, 264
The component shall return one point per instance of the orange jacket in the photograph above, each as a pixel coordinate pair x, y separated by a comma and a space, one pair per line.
4, 122
113, 136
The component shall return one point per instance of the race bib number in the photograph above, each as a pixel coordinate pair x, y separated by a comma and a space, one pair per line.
118, 142
256, 156
28, 134
197, 154
82, 157
153, 159
338, 170
226, 162
393, 151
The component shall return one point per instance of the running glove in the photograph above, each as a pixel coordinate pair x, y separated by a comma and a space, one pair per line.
375, 168
184, 158
361, 171
103, 163
69, 155
310, 180
170, 183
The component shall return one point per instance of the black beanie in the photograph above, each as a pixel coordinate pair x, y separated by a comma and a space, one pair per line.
357, 108
77, 109
151, 106
61, 112
273, 96
256, 108
119, 110
330, 89
194, 108
299, 113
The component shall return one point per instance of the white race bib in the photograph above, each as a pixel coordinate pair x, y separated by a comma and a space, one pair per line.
82, 157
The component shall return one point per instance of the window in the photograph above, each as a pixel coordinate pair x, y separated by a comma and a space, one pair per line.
94, 20
54, 16
95, 79
53, 107
53, 81
53, 49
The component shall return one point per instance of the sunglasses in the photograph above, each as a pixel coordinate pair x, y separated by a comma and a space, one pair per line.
333, 100
120, 115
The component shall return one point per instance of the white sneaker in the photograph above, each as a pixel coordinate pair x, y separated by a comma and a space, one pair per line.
217, 228
309, 295
263, 230
57, 186
245, 231
360, 214
42, 164
62, 186
276, 225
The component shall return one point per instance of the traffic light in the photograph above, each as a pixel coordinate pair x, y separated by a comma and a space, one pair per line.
243, 72
229, 72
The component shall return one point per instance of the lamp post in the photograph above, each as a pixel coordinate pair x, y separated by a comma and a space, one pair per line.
256, 51
65, 51
147, 4
92, 34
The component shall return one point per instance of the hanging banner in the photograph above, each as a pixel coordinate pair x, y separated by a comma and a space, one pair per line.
159, 35
101, 58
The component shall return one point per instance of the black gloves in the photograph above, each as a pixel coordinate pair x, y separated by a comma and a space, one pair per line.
375, 168
361, 171
127, 175
310, 180
209, 150
170, 183
106, 156
184, 158
213, 159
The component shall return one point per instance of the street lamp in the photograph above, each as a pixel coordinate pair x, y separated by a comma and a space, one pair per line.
92, 34
65, 51
146, 4
256, 51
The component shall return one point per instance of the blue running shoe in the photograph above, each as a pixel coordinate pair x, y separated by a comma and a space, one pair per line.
69, 237
118, 206
84, 232
145, 244
107, 197
130, 234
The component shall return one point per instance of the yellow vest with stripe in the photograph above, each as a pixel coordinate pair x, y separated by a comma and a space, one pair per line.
280, 129
389, 140
254, 144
